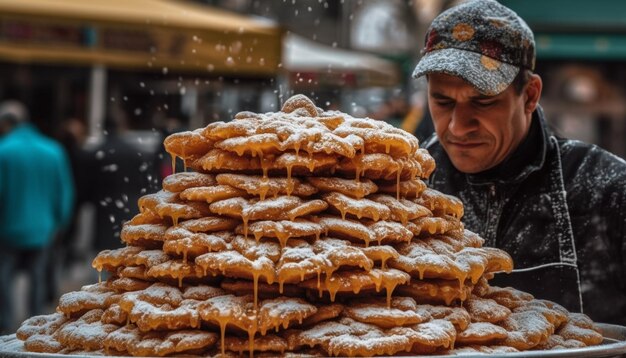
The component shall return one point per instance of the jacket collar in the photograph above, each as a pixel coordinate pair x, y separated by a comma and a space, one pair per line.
517, 172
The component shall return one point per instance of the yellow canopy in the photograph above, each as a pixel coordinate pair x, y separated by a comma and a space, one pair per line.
138, 34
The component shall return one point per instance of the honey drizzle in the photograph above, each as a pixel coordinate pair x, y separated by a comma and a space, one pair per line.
222, 322
255, 279
357, 168
311, 163
264, 164
343, 213
319, 281
173, 156
390, 287
398, 185
282, 238
332, 285
264, 186
244, 217
251, 332
289, 180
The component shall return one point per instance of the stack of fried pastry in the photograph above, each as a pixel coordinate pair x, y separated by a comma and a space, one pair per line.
306, 232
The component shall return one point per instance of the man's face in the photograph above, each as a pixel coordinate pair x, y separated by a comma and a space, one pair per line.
478, 132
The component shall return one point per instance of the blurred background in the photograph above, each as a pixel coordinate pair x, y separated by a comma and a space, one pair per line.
109, 79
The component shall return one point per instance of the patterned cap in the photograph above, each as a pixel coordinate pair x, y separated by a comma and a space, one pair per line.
481, 41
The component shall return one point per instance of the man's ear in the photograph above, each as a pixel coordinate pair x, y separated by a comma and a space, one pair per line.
532, 92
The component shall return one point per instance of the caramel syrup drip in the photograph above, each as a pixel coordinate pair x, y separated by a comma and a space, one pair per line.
404, 218
173, 156
289, 180
255, 280
342, 210
358, 167
244, 217
389, 288
398, 173
251, 332
310, 164
319, 282
332, 285
461, 277
265, 165
257, 236
222, 322
282, 238
264, 186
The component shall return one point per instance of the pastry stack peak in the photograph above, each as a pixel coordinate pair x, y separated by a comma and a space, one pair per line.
300, 231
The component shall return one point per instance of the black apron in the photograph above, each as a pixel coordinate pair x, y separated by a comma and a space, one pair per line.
557, 281
552, 276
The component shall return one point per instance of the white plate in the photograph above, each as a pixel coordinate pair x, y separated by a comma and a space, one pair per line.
614, 345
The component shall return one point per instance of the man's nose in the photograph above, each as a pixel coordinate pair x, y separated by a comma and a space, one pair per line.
462, 121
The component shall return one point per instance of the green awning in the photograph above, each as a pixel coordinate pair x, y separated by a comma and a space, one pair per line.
581, 46
575, 29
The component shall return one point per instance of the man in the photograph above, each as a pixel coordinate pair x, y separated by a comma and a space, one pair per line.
35, 202
557, 206
119, 173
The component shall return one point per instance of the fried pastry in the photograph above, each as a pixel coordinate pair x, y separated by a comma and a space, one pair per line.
301, 232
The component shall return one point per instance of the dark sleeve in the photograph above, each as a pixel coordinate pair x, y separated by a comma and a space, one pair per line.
620, 232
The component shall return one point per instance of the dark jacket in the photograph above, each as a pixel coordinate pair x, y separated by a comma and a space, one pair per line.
558, 207
119, 174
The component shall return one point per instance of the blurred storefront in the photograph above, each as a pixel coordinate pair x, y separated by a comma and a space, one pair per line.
581, 56
147, 59
352, 55
332, 76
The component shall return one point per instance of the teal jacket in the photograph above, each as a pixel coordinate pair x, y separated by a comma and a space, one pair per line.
36, 190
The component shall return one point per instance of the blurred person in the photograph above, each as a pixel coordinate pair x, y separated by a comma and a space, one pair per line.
36, 196
392, 111
557, 206
71, 134
119, 173
417, 120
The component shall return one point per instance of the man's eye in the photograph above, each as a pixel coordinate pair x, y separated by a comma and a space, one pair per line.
485, 103
445, 103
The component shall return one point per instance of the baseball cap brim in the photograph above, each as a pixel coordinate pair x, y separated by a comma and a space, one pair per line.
489, 76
